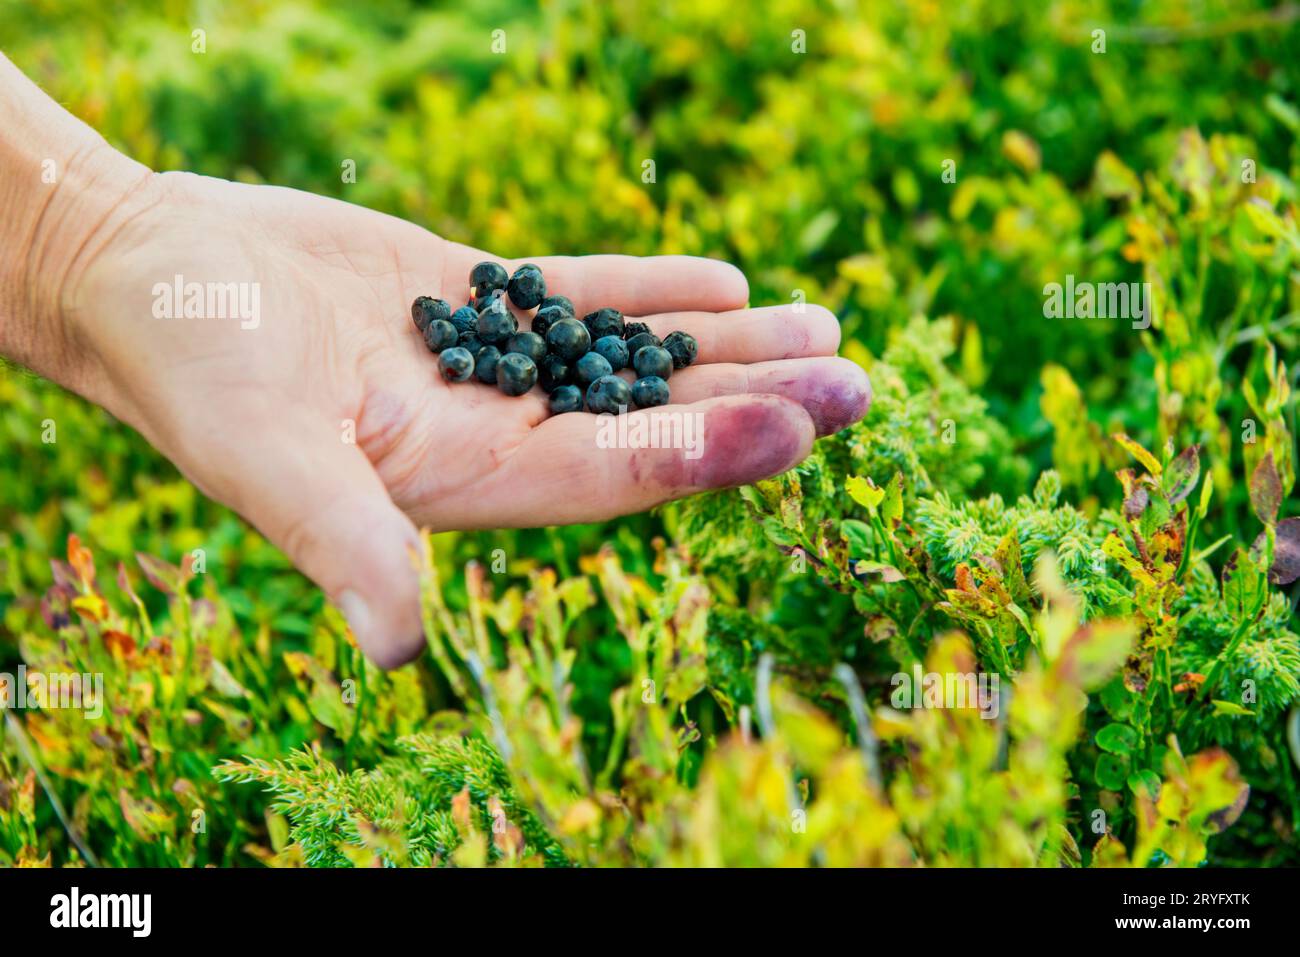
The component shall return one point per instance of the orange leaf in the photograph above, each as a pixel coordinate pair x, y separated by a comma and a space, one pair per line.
82, 560
118, 642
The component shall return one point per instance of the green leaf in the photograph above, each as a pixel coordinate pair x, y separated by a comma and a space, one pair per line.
891, 512
864, 492
1230, 708
1263, 218
1244, 587
1117, 739
1111, 772
1145, 781
857, 535
1138, 452
1207, 493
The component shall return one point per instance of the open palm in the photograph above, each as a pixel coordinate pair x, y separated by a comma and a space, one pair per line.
328, 426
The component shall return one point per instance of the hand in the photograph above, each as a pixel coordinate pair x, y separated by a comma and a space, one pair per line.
325, 422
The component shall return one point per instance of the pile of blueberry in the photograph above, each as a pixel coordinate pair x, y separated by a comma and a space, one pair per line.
572, 360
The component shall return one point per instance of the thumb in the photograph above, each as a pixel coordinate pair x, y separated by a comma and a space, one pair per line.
320, 501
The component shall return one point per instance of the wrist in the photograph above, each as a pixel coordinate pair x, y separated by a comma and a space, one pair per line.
63, 192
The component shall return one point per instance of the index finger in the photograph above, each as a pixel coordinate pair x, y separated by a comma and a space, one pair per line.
635, 285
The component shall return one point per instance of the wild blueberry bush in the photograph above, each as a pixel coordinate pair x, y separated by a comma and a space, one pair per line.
1095, 512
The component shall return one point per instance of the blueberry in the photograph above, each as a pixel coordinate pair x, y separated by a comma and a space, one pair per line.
470, 342
464, 319
604, 322
485, 364
516, 373
552, 372
526, 287
547, 316
631, 329
591, 367
495, 324
640, 341
527, 343
479, 303
487, 277
614, 350
440, 334
609, 394
649, 391
653, 360
456, 364
424, 310
566, 398
568, 339
682, 347
560, 302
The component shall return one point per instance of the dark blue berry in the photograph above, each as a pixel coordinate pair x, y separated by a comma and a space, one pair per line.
479, 303
566, 398
604, 322
553, 372
485, 364
609, 394
591, 367
456, 364
682, 347
560, 302
649, 392
471, 342
653, 360
495, 324
464, 319
546, 317
614, 350
487, 277
527, 343
424, 310
631, 329
440, 334
640, 341
526, 287
516, 373
568, 339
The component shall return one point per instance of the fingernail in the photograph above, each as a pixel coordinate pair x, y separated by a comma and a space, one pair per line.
837, 401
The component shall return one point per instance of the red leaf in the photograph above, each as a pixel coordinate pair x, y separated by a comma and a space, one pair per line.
1286, 551
1182, 475
117, 641
1266, 489
162, 575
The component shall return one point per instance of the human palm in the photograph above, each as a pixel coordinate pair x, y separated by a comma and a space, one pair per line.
328, 426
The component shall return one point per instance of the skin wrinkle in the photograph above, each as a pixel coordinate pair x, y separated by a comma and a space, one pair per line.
40, 247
